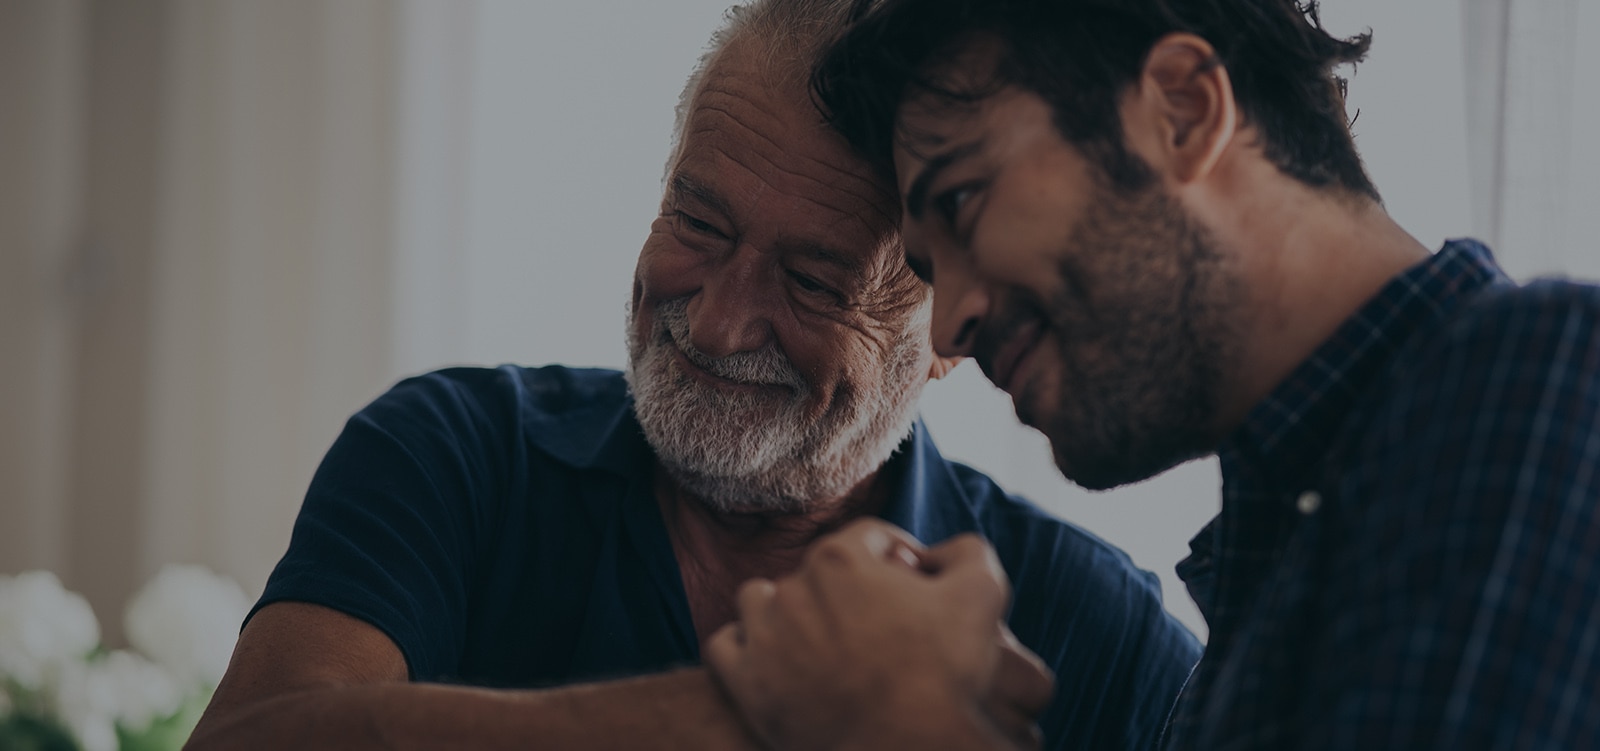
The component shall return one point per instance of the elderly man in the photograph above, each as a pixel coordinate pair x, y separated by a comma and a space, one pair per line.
481, 548
1148, 222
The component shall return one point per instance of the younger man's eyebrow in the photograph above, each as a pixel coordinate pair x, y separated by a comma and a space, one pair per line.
917, 194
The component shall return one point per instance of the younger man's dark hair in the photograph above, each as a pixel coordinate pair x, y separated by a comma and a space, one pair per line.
1080, 55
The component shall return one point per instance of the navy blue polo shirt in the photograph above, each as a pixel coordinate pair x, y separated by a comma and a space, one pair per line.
499, 525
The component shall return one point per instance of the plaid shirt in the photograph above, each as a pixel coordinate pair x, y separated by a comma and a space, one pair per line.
1408, 553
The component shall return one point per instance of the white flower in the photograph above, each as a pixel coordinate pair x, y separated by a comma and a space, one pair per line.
42, 625
145, 691
84, 698
92, 698
122, 688
94, 733
187, 619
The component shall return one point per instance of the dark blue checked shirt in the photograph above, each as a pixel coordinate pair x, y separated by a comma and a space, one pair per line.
499, 526
1408, 553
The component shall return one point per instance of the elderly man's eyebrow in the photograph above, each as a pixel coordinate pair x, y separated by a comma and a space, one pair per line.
683, 185
917, 194
849, 262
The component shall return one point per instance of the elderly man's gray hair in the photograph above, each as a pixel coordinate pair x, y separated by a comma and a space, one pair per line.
792, 33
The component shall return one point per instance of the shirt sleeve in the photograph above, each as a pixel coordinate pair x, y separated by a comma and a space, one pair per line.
386, 533
1463, 601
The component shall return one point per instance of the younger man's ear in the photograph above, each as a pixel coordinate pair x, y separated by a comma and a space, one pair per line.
1182, 115
942, 366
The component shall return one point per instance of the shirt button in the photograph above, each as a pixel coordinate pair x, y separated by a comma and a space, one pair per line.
1309, 502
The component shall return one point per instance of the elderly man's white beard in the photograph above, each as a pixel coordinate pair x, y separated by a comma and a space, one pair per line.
761, 452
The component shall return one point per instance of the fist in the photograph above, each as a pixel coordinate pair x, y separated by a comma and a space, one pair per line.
877, 642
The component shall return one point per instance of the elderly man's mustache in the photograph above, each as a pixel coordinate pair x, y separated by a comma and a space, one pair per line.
766, 366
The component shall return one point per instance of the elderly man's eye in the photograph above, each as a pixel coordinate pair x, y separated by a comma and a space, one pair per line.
697, 225
807, 283
812, 286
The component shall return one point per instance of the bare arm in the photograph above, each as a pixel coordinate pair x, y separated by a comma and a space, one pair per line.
307, 677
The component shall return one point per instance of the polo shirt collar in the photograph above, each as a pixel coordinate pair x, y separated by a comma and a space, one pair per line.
928, 502
599, 433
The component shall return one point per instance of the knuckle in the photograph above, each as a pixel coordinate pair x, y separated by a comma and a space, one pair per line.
1041, 691
751, 594
790, 597
752, 586
968, 543
833, 550
1002, 587
863, 525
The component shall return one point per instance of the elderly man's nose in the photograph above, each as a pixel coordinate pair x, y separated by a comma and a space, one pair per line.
731, 313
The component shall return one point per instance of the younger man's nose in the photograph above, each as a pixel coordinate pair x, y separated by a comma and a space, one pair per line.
958, 311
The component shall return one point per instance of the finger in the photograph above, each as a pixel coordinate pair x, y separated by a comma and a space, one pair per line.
1021, 690
962, 550
754, 598
723, 655
968, 564
1018, 728
911, 557
869, 538
1022, 680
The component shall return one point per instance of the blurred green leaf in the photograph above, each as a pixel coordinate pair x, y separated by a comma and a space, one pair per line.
167, 734
25, 733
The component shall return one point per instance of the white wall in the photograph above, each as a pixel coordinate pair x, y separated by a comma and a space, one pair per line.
571, 111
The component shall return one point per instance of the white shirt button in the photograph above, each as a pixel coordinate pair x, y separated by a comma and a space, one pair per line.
1309, 502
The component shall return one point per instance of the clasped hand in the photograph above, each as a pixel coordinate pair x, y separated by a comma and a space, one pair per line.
878, 642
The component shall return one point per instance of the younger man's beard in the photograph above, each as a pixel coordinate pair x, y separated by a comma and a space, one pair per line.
1144, 335
762, 452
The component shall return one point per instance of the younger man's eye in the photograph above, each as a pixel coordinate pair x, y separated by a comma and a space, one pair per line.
950, 202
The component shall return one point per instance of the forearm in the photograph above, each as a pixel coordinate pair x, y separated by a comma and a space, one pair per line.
936, 721
679, 710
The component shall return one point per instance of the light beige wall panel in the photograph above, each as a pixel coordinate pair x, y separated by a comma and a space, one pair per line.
111, 276
42, 45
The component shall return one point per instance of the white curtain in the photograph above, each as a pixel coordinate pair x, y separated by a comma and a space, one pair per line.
1534, 109
228, 228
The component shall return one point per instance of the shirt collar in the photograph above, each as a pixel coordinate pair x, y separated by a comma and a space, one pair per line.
594, 428
928, 502
1287, 433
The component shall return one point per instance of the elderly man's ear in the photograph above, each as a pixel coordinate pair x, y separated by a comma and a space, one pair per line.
942, 366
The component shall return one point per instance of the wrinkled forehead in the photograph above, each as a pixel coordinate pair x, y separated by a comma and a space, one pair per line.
754, 137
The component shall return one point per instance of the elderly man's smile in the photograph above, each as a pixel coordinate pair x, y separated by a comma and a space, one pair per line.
753, 388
